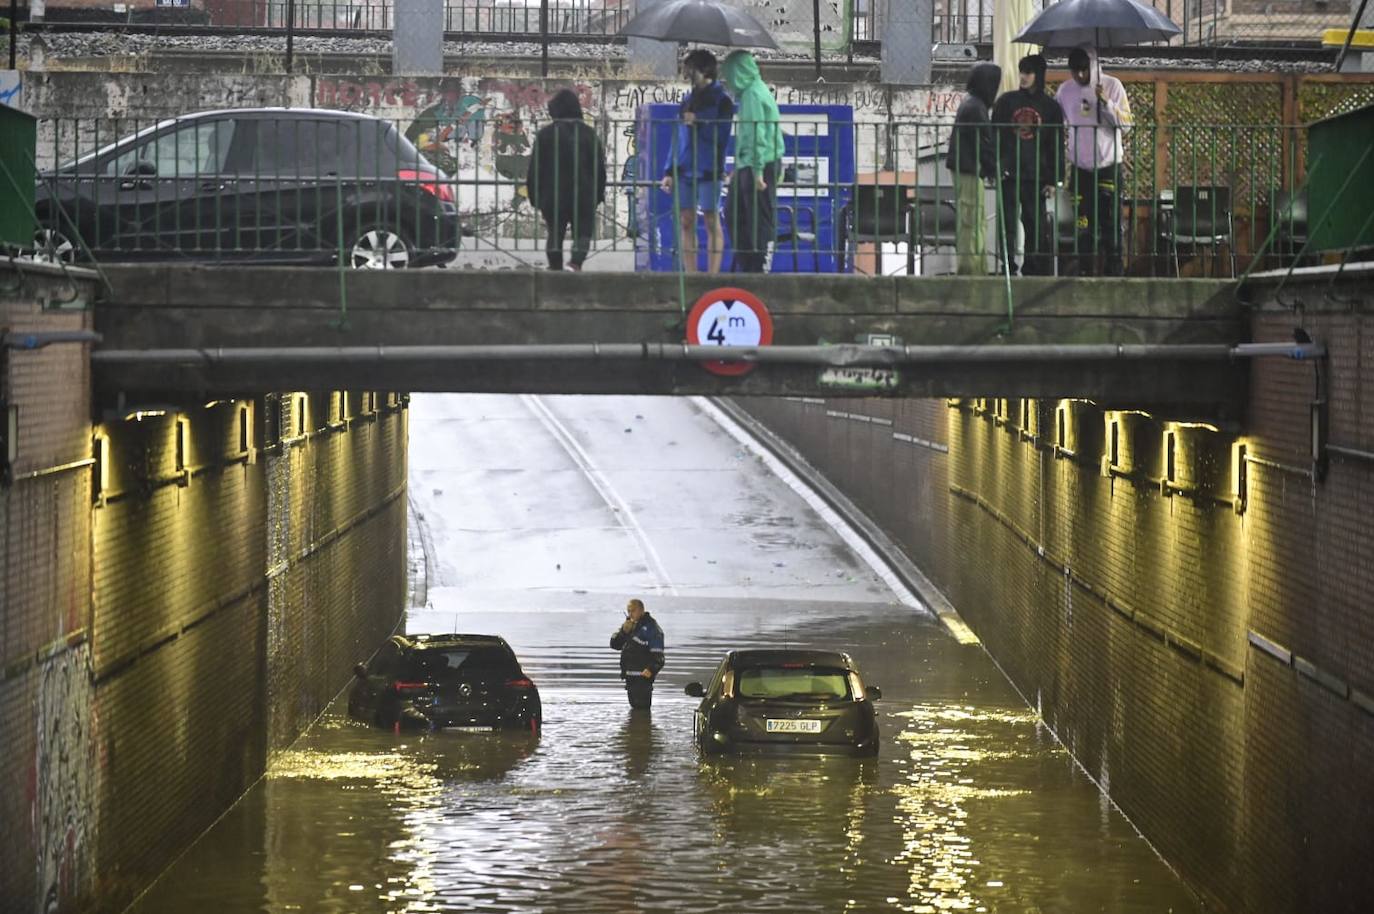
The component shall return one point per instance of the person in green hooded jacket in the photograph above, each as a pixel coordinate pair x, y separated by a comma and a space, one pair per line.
749, 204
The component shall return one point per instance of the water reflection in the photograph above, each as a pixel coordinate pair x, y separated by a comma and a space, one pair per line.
968, 807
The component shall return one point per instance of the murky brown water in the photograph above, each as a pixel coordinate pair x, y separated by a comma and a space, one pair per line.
970, 807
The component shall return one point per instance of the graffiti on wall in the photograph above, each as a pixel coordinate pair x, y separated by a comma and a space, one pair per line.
60, 782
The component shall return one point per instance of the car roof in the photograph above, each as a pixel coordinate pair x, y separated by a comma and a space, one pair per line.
777, 656
421, 642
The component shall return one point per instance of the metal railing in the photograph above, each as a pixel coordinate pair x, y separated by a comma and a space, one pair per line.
1179, 199
1205, 23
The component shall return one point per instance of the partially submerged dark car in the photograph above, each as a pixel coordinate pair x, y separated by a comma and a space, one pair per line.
465, 683
269, 185
786, 700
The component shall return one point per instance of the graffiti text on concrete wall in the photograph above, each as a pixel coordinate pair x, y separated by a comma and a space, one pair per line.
60, 782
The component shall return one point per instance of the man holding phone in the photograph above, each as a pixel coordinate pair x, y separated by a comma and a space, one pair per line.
640, 642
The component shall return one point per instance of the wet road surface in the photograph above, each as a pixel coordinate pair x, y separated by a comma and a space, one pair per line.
539, 516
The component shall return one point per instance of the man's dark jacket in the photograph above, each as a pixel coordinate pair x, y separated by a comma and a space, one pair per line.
567, 171
641, 649
1030, 125
971, 149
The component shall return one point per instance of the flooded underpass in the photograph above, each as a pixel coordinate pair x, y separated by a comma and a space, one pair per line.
538, 517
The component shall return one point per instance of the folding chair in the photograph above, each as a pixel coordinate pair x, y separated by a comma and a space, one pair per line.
877, 213
1201, 217
934, 223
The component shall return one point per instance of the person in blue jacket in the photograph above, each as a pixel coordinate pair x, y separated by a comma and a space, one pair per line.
640, 642
696, 163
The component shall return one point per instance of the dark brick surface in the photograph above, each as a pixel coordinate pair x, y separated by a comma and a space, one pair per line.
1250, 777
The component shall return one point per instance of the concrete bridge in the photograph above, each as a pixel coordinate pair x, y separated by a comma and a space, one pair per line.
233, 330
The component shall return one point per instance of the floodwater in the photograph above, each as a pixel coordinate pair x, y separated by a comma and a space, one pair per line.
538, 517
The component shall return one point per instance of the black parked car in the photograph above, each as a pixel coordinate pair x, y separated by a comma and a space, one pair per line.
786, 700
282, 185
468, 683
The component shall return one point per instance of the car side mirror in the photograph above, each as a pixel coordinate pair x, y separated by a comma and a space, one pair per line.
360, 671
873, 693
694, 689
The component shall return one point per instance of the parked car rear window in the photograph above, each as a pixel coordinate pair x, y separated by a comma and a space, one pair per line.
814, 683
319, 147
441, 663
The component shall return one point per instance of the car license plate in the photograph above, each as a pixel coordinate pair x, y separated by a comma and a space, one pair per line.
773, 725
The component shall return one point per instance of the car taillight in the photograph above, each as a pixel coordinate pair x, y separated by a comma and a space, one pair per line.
521, 683
410, 687
429, 183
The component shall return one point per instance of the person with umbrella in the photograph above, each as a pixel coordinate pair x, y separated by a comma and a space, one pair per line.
749, 205
1097, 113
696, 162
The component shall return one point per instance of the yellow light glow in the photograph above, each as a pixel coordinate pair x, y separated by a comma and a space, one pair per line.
139, 415
1206, 426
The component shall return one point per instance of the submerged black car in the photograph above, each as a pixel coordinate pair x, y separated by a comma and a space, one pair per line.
786, 700
273, 185
467, 683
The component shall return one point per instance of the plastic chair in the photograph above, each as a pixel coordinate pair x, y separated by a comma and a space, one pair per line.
1289, 213
877, 213
1201, 217
934, 223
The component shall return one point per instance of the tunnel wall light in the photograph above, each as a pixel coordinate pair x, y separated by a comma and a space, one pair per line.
1169, 483
300, 403
1061, 430
182, 443
245, 431
100, 470
1240, 475
1111, 460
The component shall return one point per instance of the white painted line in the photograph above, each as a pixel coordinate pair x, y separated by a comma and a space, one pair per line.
816, 503
624, 516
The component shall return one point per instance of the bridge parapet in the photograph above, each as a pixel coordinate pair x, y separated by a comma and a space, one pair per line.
273, 312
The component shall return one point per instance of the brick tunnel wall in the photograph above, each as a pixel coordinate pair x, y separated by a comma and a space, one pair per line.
1212, 669
176, 612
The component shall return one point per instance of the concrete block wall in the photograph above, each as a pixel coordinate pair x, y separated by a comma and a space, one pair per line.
47, 829
1212, 669
179, 597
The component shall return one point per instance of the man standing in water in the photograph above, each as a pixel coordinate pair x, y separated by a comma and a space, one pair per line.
640, 642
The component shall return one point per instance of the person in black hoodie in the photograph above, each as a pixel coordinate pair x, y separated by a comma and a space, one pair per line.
971, 156
567, 178
1030, 148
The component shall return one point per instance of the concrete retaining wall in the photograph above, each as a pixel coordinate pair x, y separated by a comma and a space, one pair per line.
1202, 646
180, 597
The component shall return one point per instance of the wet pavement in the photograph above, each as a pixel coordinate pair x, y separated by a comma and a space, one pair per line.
539, 517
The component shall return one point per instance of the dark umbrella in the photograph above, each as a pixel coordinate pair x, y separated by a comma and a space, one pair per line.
1100, 23
702, 21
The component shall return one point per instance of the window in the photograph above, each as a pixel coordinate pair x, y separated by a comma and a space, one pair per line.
317, 147
805, 682
448, 663
195, 149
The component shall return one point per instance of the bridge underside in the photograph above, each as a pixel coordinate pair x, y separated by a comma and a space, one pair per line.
190, 330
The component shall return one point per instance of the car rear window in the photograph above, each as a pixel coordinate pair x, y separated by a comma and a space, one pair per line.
313, 147
437, 664
801, 682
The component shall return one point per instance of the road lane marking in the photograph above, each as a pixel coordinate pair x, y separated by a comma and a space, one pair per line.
621, 511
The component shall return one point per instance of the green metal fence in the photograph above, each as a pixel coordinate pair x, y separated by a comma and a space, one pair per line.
329, 187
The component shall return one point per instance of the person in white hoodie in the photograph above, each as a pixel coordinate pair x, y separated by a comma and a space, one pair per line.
1097, 114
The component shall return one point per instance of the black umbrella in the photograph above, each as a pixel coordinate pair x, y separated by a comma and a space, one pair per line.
702, 21
1100, 23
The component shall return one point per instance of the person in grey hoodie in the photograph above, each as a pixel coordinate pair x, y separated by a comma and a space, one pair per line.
972, 157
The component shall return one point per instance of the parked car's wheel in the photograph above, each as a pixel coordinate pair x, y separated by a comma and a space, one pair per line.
51, 246
380, 248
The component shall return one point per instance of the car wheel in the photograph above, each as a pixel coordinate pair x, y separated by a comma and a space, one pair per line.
51, 246
380, 248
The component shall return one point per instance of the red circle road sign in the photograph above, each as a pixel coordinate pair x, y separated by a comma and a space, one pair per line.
729, 317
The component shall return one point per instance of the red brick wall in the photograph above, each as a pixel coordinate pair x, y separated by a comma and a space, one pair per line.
46, 825
1136, 629
169, 617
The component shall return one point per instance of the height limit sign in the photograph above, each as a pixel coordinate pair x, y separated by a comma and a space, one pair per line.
729, 317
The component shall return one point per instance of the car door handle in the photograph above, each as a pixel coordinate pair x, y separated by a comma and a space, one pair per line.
212, 185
